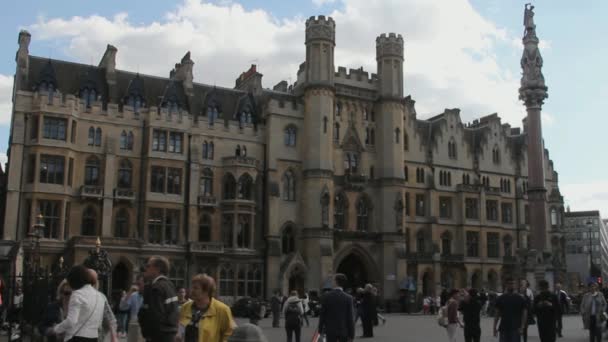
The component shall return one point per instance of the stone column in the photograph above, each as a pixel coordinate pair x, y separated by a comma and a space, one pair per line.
108, 189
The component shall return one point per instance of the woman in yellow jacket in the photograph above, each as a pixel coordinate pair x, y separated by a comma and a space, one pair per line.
204, 318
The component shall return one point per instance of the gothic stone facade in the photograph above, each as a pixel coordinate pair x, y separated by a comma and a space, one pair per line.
267, 189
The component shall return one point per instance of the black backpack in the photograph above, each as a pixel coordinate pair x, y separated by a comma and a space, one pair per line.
292, 315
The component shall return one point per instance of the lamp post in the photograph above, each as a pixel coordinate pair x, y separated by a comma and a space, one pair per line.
35, 234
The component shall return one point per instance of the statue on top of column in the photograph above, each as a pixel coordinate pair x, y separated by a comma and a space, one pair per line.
529, 19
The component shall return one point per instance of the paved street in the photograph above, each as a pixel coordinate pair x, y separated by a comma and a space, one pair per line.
425, 329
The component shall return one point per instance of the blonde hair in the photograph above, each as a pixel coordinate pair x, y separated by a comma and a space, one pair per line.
60, 288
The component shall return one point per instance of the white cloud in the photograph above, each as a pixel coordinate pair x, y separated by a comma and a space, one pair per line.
450, 49
320, 3
3, 160
587, 196
547, 118
6, 102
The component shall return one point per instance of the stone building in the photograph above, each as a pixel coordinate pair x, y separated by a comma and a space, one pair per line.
269, 189
586, 246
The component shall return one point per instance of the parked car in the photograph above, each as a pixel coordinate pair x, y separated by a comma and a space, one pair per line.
246, 306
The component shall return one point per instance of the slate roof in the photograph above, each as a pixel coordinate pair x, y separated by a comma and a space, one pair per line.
70, 78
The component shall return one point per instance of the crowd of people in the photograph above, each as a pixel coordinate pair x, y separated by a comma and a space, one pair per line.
81, 313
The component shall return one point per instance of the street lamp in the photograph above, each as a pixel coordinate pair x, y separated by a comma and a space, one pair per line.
35, 234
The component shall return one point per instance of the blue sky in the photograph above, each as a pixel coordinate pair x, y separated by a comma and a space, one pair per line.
459, 53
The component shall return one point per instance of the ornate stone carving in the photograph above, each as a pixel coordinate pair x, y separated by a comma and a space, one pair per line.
533, 90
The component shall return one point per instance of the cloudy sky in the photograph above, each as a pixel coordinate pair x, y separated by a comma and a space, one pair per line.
458, 53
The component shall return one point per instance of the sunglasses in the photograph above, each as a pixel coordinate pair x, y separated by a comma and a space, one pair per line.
67, 293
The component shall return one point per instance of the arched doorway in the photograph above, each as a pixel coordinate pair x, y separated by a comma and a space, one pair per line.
354, 268
476, 280
427, 283
120, 277
297, 280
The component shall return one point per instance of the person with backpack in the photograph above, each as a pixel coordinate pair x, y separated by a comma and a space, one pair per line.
293, 311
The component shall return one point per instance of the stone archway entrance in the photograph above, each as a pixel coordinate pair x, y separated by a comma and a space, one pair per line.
120, 277
353, 267
297, 280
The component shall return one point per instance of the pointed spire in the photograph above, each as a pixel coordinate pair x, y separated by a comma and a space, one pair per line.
533, 90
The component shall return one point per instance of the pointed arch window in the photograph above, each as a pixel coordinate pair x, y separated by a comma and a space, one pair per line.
363, 211
130, 139
123, 140
553, 217
122, 223
91, 171
91, 138
288, 240
496, 155
406, 174
338, 109
208, 150
452, 148
406, 141
340, 210
289, 186
325, 124
206, 185
226, 281
290, 136
229, 187
89, 222
337, 132
204, 228
125, 174
136, 102
351, 163
245, 187
212, 114
397, 135
98, 136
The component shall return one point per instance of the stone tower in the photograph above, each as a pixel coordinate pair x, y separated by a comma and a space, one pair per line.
389, 119
317, 170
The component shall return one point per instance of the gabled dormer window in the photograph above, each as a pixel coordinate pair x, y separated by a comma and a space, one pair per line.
172, 107
88, 96
136, 102
212, 114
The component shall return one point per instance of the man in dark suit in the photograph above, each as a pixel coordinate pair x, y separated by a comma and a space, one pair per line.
562, 299
337, 320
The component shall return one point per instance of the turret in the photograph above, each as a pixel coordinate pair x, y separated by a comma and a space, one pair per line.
22, 58
389, 55
183, 72
320, 42
108, 63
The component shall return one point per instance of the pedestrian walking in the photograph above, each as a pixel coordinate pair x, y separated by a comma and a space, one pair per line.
158, 315
452, 313
306, 307
275, 307
562, 300
593, 306
85, 309
109, 324
204, 318
528, 295
293, 311
123, 315
336, 320
368, 311
546, 309
471, 308
182, 297
511, 311
426, 305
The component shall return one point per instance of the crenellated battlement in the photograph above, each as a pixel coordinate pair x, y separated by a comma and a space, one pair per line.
391, 45
321, 27
356, 78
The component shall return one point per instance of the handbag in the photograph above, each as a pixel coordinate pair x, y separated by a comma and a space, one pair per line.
442, 317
